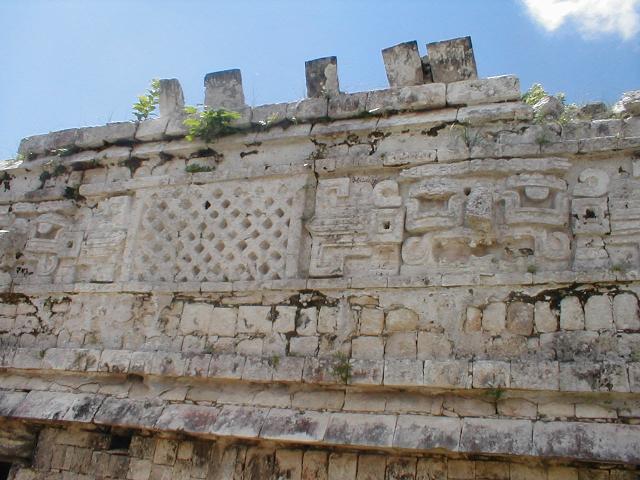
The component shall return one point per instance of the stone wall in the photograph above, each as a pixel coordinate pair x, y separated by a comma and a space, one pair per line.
424, 281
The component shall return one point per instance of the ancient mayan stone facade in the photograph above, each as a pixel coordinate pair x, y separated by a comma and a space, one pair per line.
416, 283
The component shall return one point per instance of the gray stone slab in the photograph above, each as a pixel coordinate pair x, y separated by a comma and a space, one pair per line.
84, 408
322, 77
125, 412
403, 64
171, 100
243, 422
40, 405
505, 88
94, 137
347, 105
9, 400
587, 441
361, 429
224, 90
427, 433
452, 60
287, 424
188, 418
418, 97
487, 435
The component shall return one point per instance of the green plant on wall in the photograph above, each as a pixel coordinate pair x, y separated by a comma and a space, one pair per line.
341, 367
147, 103
209, 124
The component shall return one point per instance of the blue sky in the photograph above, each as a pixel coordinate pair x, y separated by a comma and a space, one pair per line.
70, 63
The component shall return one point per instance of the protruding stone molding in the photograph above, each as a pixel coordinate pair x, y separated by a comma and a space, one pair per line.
581, 441
478, 375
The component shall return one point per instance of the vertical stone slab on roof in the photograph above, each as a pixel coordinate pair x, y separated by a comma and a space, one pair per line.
322, 77
452, 60
403, 64
224, 90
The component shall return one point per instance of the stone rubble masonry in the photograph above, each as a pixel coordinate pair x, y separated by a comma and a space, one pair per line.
419, 282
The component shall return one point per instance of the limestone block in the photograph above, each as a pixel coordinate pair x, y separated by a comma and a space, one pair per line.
433, 346
556, 410
418, 97
343, 466
401, 468
307, 322
74, 359
494, 318
447, 374
303, 346
114, 361
368, 372
403, 372
493, 470
139, 469
221, 321
26, 358
630, 102
253, 319
431, 469
579, 377
198, 365
419, 432
125, 412
511, 437
347, 105
371, 321
288, 369
285, 321
327, 319
94, 137
257, 369
371, 467
473, 321
461, 470
516, 407
545, 319
540, 375
150, 130
496, 112
360, 430
322, 77
401, 320
489, 90
166, 452
452, 60
226, 366
586, 410
598, 313
196, 318
401, 345
269, 114
224, 90
244, 422
315, 465
571, 314
308, 109
615, 443
171, 99
250, 346
367, 348
289, 464
625, 312
491, 374
403, 64
520, 318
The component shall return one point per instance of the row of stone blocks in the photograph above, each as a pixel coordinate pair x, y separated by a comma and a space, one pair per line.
569, 376
577, 440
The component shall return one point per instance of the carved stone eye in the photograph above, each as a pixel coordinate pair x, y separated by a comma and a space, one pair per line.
536, 192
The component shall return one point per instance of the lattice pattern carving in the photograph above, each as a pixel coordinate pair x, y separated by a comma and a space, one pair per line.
219, 232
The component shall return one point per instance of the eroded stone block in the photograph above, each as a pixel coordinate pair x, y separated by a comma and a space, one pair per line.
403, 64
452, 60
322, 77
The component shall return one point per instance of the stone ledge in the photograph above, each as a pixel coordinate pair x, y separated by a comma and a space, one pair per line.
569, 440
433, 374
328, 284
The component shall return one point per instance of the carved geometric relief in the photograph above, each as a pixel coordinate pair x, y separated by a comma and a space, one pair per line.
500, 216
590, 219
357, 228
236, 230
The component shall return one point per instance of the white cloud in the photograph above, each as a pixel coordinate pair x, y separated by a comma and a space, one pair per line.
590, 16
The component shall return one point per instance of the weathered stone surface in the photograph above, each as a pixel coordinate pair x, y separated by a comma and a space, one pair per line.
597, 313
283, 424
322, 77
419, 97
224, 90
452, 60
403, 64
171, 99
520, 318
360, 429
427, 433
587, 441
490, 90
571, 314
511, 437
